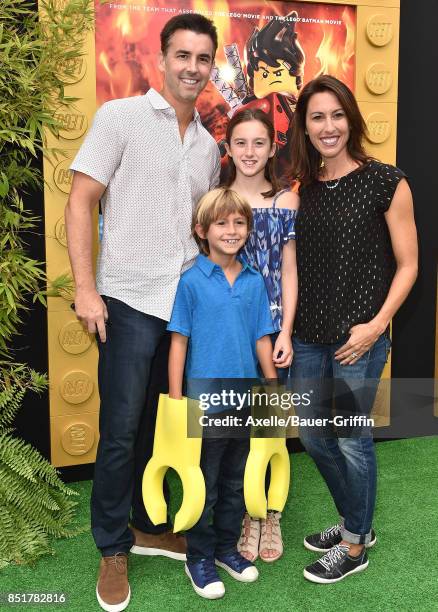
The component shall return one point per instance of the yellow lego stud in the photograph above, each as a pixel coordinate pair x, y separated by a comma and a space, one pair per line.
264, 451
173, 449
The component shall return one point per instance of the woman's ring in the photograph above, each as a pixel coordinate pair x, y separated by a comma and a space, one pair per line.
354, 355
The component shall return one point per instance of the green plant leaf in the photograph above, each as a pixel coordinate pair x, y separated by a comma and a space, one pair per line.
36, 505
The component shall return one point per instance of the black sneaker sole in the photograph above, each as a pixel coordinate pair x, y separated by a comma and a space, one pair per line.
319, 580
324, 550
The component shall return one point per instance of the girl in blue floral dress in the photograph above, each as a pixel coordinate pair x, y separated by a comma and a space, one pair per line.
270, 248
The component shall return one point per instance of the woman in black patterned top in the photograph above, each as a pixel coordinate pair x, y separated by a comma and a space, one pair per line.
357, 261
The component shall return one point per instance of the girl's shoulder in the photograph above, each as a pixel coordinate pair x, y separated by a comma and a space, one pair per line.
286, 198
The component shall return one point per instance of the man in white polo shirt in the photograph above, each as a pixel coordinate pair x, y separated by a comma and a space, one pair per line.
148, 159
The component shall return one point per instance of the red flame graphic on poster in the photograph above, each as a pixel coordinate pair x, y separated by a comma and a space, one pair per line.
305, 39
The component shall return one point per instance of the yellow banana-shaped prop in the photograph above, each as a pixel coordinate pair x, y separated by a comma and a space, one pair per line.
262, 451
173, 449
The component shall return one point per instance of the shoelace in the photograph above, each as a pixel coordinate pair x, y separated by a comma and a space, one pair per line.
271, 528
335, 554
119, 560
208, 571
327, 533
236, 561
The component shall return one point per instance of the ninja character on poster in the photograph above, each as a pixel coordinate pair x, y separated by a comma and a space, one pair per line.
267, 51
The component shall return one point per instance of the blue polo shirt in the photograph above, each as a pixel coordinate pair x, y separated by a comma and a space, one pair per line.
223, 323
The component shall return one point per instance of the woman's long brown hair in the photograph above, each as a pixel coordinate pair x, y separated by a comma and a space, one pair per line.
305, 159
254, 114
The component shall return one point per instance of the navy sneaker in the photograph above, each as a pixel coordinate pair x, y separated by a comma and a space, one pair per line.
336, 565
238, 567
323, 541
205, 579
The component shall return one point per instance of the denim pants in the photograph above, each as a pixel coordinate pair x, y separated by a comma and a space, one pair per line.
223, 463
347, 464
132, 373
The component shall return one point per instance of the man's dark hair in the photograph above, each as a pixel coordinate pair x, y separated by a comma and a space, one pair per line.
277, 40
193, 22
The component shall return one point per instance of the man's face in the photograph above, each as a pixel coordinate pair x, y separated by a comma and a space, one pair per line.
269, 79
186, 65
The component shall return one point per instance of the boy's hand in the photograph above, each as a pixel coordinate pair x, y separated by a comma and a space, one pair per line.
177, 359
175, 395
264, 355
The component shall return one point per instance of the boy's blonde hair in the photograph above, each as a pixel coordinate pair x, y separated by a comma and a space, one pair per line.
216, 204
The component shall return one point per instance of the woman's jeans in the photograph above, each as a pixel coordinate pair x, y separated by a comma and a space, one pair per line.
132, 373
346, 457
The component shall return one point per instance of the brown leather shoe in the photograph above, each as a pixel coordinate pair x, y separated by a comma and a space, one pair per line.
113, 591
167, 544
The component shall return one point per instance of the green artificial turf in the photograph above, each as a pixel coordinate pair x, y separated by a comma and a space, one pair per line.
402, 574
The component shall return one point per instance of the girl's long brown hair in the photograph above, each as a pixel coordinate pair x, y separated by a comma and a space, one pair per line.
305, 159
254, 114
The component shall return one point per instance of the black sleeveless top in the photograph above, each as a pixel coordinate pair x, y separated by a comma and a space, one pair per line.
344, 255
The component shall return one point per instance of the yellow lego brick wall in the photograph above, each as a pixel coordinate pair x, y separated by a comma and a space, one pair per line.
73, 395
74, 402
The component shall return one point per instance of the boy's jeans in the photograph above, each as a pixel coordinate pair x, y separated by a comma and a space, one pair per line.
132, 373
223, 463
347, 464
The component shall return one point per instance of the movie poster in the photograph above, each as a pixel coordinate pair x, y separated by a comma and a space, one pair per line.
267, 51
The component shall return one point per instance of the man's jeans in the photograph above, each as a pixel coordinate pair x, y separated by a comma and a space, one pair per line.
132, 373
347, 464
223, 463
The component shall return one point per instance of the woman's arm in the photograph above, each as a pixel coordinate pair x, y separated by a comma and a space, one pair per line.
401, 225
177, 360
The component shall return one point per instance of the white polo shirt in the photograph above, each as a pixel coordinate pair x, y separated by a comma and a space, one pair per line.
153, 181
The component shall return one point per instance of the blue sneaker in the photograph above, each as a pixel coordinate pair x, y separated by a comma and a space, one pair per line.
205, 579
238, 567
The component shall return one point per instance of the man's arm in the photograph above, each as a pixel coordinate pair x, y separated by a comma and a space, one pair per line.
84, 197
177, 360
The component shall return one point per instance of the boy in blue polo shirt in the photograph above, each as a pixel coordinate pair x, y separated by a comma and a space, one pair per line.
220, 328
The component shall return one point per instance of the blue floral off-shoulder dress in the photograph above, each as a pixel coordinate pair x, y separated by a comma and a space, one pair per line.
273, 228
